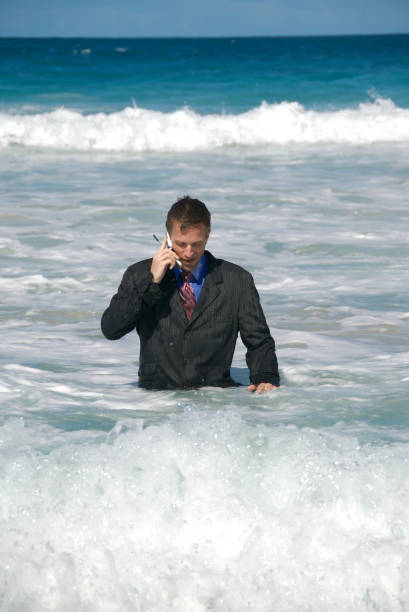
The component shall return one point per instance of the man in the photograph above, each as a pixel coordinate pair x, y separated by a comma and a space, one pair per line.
188, 307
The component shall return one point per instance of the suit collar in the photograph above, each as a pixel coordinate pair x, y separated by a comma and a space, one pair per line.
198, 274
210, 291
211, 287
214, 267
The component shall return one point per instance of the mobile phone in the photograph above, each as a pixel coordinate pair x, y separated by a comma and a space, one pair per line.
169, 243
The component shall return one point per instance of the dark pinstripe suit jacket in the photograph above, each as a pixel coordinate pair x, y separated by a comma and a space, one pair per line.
177, 353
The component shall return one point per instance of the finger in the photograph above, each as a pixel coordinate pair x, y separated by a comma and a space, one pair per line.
167, 256
265, 388
251, 388
172, 257
164, 243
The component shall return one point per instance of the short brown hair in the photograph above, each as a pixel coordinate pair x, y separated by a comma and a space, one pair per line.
188, 211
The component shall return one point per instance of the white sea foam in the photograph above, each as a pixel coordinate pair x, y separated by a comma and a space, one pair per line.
138, 129
203, 512
38, 283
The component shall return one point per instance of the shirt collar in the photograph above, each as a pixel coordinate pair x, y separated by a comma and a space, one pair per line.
198, 273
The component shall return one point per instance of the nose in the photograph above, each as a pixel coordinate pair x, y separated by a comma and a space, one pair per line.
189, 251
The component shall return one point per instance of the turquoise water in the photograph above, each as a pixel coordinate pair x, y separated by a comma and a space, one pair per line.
208, 75
115, 498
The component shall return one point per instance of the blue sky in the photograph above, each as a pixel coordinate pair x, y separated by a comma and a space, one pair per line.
134, 18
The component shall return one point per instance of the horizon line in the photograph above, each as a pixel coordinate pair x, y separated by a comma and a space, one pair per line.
204, 37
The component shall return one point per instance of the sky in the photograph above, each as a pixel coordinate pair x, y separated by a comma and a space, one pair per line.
139, 18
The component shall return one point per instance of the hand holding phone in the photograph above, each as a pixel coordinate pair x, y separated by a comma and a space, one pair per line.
163, 260
169, 243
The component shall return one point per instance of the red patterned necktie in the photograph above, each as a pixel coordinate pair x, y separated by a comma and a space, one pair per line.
187, 294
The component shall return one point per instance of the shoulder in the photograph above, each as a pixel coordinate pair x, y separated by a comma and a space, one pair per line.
229, 270
235, 270
139, 267
137, 270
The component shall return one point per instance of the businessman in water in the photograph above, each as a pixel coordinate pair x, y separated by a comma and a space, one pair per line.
188, 307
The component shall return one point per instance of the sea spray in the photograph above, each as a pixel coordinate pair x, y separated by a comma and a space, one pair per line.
142, 130
202, 511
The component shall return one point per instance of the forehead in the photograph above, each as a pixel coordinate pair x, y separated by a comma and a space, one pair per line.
193, 233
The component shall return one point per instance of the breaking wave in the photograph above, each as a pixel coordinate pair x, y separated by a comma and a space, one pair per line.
137, 129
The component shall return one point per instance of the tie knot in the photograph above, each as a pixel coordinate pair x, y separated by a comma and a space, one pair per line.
186, 276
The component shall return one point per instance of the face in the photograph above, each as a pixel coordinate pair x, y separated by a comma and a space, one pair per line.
189, 244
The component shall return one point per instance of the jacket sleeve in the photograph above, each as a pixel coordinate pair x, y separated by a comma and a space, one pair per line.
136, 293
260, 357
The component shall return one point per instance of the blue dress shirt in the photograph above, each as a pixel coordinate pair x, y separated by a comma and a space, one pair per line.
198, 276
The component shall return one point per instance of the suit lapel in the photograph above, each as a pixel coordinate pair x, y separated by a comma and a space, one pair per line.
208, 294
176, 306
211, 288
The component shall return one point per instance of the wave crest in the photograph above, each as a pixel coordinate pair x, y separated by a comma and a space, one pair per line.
136, 129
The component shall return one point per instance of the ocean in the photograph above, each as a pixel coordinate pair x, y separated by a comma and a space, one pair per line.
114, 498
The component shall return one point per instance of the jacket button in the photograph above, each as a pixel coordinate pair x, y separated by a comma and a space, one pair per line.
170, 343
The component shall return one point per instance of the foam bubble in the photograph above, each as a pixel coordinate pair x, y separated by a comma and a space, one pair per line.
138, 129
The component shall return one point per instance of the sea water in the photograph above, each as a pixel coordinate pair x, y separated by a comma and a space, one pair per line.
113, 498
